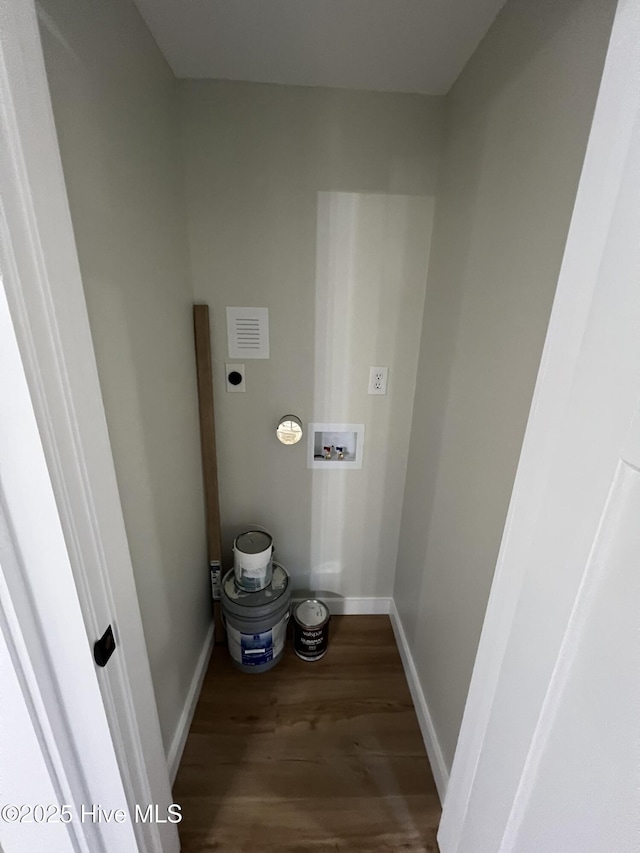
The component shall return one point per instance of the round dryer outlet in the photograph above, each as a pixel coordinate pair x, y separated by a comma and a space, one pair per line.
235, 377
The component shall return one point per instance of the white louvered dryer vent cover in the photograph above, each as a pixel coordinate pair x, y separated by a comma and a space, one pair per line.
248, 332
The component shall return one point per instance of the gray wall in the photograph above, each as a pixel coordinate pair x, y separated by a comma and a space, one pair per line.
516, 131
114, 102
316, 204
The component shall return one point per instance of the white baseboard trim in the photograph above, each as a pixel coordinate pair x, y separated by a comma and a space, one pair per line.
354, 606
174, 753
432, 745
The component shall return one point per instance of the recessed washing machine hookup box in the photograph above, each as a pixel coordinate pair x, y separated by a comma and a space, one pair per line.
335, 446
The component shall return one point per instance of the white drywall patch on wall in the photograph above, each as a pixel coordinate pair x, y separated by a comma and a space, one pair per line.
370, 268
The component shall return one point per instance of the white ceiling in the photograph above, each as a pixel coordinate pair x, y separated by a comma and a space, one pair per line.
386, 45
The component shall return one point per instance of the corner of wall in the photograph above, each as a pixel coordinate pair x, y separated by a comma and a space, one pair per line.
432, 745
179, 739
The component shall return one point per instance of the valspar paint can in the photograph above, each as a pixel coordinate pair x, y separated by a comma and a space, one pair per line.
253, 560
311, 629
256, 622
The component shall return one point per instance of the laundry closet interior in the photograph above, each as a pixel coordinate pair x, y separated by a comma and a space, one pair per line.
393, 210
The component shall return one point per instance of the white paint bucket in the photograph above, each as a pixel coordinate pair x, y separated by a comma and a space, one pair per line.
256, 622
253, 560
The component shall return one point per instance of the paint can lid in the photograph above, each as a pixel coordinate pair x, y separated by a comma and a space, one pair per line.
311, 613
253, 542
254, 604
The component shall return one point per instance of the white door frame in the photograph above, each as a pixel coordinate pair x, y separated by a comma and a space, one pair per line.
44, 291
583, 340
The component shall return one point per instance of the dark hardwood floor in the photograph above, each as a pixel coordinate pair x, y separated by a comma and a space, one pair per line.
309, 756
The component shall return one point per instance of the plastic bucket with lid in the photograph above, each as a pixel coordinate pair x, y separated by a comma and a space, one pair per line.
253, 559
256, 622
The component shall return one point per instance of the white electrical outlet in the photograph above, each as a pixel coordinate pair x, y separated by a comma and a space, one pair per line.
378, 380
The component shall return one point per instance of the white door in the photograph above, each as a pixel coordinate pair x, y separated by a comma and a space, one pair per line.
57, 760
25, 766
548, 759
47, 312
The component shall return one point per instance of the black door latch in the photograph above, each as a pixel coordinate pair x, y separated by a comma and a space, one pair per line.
104, 647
